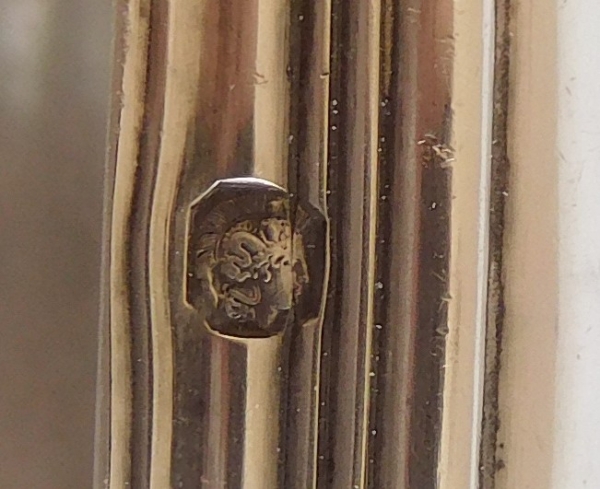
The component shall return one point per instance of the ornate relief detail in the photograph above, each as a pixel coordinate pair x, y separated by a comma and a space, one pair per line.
246, 264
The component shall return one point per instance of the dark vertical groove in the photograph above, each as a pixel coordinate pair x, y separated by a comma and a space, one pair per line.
335, 191
351, 173
297, 84
389, 122
238, 359
490, 452
410, 339
301, 49
139, 227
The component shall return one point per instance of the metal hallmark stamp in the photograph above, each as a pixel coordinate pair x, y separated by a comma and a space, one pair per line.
247, 264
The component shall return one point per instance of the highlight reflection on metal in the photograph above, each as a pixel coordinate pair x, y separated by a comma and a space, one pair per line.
297, 241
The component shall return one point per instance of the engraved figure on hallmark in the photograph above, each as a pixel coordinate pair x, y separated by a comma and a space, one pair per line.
246, 265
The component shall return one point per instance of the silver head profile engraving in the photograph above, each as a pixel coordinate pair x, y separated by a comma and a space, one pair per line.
248, 265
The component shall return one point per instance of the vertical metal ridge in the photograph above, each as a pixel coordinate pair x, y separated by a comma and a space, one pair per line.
384, 461
127, 148
472, 104
102, 437
371, 218
141, 325
397, 237
352, 186
432, 231
309, 112
420, 205
179, 100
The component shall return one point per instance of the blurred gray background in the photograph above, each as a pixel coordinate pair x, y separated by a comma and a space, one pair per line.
55, 58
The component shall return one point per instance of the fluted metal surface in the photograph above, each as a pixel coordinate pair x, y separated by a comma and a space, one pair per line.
297, 254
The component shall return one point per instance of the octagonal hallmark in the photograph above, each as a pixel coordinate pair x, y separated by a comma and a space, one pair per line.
255, 258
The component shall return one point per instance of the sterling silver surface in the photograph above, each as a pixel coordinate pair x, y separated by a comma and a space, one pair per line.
297, 272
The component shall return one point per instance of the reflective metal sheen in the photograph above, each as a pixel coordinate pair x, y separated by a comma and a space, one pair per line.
298, 220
